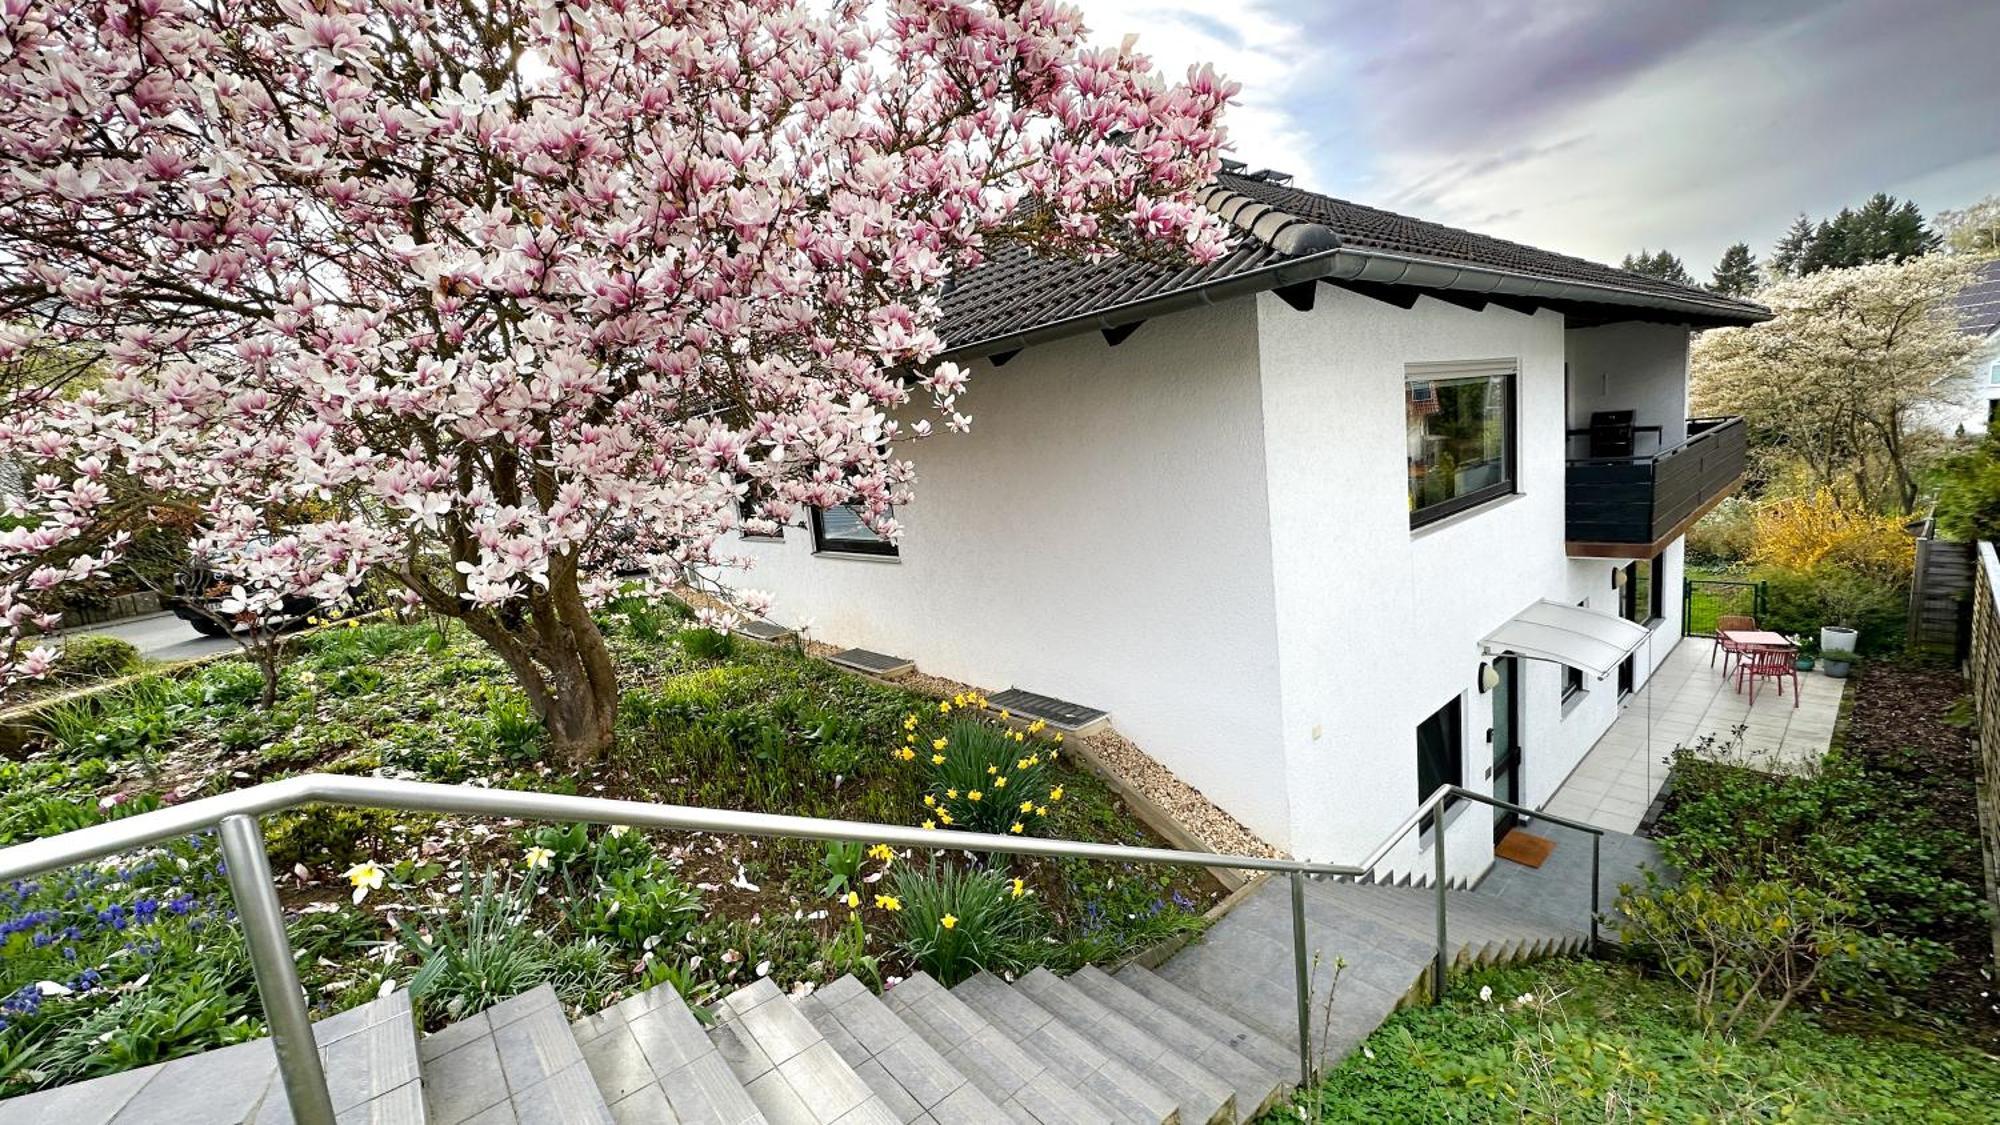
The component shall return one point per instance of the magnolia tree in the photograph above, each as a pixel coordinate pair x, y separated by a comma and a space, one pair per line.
512, 301
1850, 379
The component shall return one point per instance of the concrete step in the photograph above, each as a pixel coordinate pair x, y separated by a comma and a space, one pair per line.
1024, 1086
791, 1072
369, 1054
1243, 1038
1258, 1087
515, 1061
916, 1082
1201, 1096
654, 1062
1131, 1096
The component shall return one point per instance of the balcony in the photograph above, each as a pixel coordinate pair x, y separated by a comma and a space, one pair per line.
1632, 507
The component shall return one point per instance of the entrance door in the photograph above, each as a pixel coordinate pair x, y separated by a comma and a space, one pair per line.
1506, 740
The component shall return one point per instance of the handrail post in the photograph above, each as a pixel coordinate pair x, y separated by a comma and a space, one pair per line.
1596, 844
284, 1002
1437, 855
1301, 981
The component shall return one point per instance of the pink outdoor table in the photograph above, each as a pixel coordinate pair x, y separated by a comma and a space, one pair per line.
1757, 638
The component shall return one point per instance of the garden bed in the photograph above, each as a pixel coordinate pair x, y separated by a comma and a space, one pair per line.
142, 950
1888, 822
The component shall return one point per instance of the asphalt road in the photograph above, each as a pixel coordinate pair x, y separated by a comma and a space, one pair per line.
161, 636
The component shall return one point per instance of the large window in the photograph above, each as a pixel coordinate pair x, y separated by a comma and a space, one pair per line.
1644, 597
1440, 751
1460, 421
841, 531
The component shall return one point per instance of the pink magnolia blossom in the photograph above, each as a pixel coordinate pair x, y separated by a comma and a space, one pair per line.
515, 301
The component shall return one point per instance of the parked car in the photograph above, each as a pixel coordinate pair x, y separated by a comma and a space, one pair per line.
199, 591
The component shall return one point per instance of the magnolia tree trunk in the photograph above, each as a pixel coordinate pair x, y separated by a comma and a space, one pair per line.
551, 643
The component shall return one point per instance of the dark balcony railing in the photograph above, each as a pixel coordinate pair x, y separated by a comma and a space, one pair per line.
1632, 507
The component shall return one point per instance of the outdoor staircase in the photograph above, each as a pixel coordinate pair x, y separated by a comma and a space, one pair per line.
1210, 1037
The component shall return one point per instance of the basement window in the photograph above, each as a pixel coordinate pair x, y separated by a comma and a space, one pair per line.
842, 531
1459, 419
1440, 750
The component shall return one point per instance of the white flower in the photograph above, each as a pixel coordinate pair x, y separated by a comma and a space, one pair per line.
1367, 1052
1486, 994
365, 876
538, 857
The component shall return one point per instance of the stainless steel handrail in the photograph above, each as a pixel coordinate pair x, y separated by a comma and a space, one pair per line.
1433, 805
236, 814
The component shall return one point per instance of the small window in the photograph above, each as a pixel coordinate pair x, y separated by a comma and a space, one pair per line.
841, 531
1460, 423
1993, 373
1643, 599
1440, 751
1572, 683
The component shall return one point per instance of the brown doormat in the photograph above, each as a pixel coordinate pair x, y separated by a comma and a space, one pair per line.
1524, 848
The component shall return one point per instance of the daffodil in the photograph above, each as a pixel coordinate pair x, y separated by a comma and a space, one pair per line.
853, 901
364, 877
1020, 888
944, 706
1003, 714
944, 817
930, 824
930, 802
1019, 737
937, 759
1038, 726
999, 783
940, 743
1015, 828
910, 721
951, 794
908, 754
883, 852
991, 770
1058, 736
949, 921
888, 902
974, 795
1056, 793
538, 857
1041, 810
1028, 806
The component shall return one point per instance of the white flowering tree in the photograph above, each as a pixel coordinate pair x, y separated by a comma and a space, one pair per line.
1848, 378
502, 299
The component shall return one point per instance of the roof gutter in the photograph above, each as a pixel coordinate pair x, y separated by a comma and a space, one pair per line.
1351, 263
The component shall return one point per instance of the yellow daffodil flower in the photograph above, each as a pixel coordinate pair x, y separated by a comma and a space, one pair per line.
999, 783
974, 795
937, 759
888, 902
944, 706
991, 770
944, 818
930, 824
940, 743
1038, 726
1019, 737
1056, 793
853, 901
930, 802
1028, 806
951, 794
1015, 828
949, 921
364, 877
910, 721
1041, 810
1020, 888
883, 852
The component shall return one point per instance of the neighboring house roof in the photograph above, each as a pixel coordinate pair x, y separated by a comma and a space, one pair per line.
1290, 239
1979, 301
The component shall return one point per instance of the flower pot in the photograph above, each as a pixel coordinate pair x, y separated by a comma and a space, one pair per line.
1836, 668
1805, 664
1838, 638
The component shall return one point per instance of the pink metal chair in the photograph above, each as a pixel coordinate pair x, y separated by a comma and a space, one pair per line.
1722, 643
1769, 664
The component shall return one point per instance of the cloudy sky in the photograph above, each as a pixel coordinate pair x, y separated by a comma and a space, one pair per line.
1599, 128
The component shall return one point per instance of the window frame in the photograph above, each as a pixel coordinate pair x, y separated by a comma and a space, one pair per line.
1509, 483
877, 548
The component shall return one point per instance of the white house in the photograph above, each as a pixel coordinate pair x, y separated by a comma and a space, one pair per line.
1979, 315
1278, 515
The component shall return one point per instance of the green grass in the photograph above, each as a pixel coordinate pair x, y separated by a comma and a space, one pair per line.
1598, 1042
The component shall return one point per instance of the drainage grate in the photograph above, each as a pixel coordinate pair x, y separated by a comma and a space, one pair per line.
1059, 713
872, 663
763, 631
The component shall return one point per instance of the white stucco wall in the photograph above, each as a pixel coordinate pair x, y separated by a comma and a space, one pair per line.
1100, 535
1380, 625
1636, 367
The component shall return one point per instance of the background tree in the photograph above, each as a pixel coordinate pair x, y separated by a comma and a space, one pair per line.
1791, 248
1974, 229
1662, 265
1840, 379
1880, 230
1736, 275
505, 301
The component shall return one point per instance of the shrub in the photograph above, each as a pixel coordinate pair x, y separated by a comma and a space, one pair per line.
1802, 533
1748, 950
90, 658
981, 777
705, 644
1798, 602
1968, 504
229, 682
1725, 536
960, 921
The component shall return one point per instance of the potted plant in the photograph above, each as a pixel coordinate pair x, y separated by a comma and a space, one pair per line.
1804, 662
1837, 662
1843, 596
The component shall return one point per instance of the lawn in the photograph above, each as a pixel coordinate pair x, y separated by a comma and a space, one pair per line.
1590, 1041
137, 959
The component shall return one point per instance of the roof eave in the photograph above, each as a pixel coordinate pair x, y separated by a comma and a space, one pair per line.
1351, 263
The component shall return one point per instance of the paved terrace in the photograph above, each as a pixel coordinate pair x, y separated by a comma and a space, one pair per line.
1615, 782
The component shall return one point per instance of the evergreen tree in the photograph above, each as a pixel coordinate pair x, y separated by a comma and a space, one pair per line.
1884, 229
1663, 266
1736, 274
1791, 249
